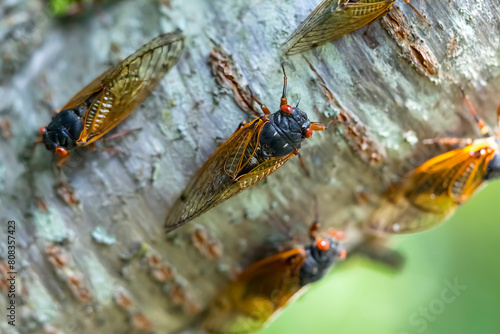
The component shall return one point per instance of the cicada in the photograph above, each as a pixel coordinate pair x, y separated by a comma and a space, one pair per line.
255, 298
252, 153
334, 18
111, 97
433, 191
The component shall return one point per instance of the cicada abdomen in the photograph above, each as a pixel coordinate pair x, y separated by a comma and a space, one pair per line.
252, 153
111, 97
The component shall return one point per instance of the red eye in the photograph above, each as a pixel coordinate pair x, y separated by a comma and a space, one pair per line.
309, 133
322, 245
61, 151
343, 254
286, 108
43, 129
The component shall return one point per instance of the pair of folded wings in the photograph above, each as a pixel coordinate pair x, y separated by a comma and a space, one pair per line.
111, 97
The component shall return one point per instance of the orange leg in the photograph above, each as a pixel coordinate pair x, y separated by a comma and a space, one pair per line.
315, 224
62, 160
315, 126
303, 165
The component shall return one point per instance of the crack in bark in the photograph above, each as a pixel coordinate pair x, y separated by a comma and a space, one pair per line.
363, 144
418, 54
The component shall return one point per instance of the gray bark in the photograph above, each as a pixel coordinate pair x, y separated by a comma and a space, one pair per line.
385, 92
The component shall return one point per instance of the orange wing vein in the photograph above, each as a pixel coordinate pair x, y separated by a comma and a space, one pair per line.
331, 20
117, 92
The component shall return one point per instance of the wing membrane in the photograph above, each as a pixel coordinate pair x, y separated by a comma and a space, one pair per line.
226, 173
331, 20
117, 92
434, 190
261, 290
216, 180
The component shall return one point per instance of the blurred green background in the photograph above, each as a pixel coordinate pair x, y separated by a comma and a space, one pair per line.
364, 297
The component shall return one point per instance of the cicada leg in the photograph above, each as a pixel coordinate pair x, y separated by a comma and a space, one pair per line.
303, 165
62, 160
315, 224
375, 249
242, 124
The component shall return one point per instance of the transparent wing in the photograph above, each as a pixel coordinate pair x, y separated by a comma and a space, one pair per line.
434, 190
261, 290
331, 20
454, 175
111, 97
216, 180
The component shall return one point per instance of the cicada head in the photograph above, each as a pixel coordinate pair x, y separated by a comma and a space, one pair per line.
63, 131
493, 167
321, 255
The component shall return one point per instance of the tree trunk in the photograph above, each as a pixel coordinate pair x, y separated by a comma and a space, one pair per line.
91, 254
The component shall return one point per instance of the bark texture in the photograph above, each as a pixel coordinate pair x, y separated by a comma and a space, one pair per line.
91, 253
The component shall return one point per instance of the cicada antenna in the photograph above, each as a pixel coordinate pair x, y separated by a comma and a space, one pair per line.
485, 131
283, 96
315, 224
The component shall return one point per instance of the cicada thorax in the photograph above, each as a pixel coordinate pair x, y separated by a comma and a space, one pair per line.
284, 132
262, 290
280, 136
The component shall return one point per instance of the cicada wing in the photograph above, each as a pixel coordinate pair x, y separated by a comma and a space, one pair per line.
244, 148
116, 93
331, 20
93, 88
216, 180
261, 290
451, 178
261, 172
434, 190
